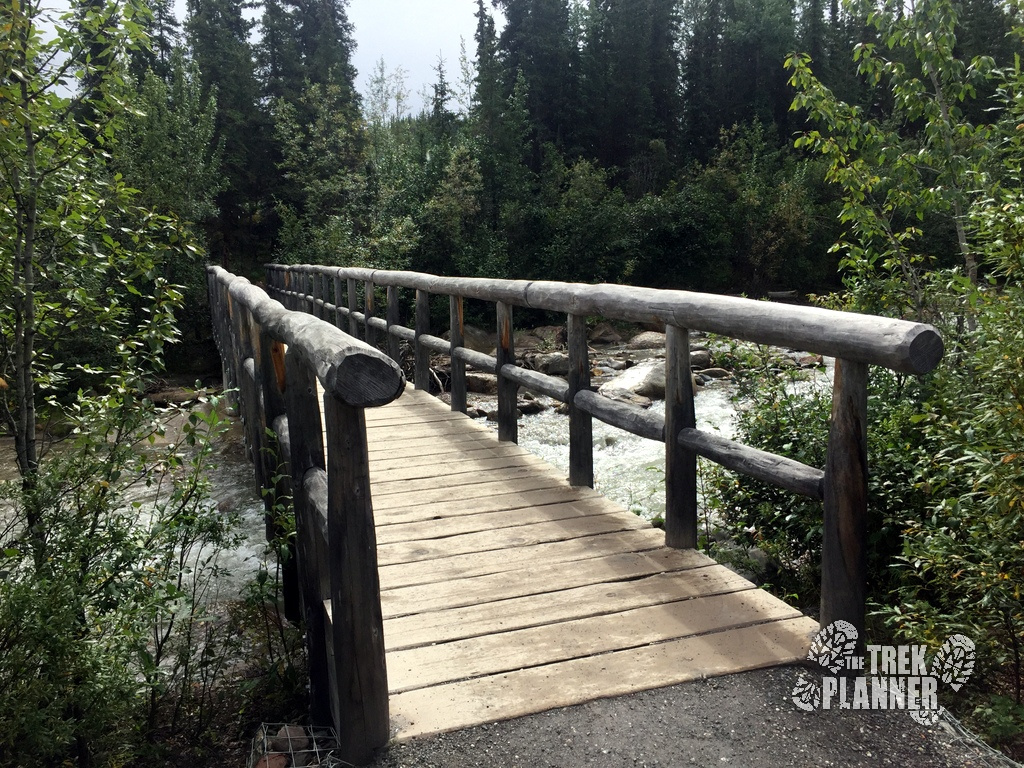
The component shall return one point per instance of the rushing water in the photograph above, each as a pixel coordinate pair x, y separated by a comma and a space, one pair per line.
627, 468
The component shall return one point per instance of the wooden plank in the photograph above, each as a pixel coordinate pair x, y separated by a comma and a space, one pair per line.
426, 446
471, 467
559, 606
439, 527
504, 501
385, 461
537, 689
477, 564
492, 654
458, 484
485, 490
537, 579
508, 538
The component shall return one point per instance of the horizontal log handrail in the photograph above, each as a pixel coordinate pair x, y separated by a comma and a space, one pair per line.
273, 358
855, 340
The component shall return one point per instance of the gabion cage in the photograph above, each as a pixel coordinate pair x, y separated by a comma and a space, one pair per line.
280, 745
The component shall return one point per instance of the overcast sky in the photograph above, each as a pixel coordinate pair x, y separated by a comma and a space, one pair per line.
411, 34
408, 34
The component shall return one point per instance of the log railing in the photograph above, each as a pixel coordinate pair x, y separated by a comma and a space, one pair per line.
856, 341
273, 359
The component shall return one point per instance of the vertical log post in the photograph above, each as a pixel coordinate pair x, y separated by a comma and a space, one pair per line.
581, 425
353, 307
361, 684
338, 314
394, 350
315, 308
305, 433
422, 374
680, 462
368, 312
844, 533
458, 383
508, 423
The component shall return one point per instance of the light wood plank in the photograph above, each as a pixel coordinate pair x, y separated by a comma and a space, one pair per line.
383, 499
537, 689
439, 527
558, 606
507, 538
476, 564
536, 646
537, 579
458, 484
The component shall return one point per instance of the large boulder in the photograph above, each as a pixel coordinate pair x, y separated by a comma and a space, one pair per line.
603, 333
700, 358
653, 385
647, 340
525, 340
479, 340
551, 363
552, 335
481, 383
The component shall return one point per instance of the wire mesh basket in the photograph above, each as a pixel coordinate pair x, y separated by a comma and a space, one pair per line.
280, 745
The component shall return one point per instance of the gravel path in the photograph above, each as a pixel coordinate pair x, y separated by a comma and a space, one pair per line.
745, 719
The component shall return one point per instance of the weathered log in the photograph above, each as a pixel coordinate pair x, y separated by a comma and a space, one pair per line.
552, 386
353, 324
761, 465
368, 313
680, 461
631, 418
422, 375
306, 448
844, 525
393, 321
361, 682
581, 426
478, 360
435, 343
897, 344
400, 332
359, 374
456, 340
508, 420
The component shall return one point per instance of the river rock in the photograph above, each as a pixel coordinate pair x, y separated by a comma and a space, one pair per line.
524, 340
272, 761
552, 335
481, 383
603, 333
647, 340
551, 363
478, 339
715, 373
530, 407
625, 396
290, 738
700, 358
653, 385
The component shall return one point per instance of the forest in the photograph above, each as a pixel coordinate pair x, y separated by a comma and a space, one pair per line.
864, 153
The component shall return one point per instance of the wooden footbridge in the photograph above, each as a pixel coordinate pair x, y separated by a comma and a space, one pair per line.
449, 578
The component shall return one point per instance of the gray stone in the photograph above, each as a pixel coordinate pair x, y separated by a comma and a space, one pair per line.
647, 340
481, 383
653, 385
552, 335
478, 339
625, 396
715, 373
524, 340
529, 407
551, 363
603, 333
700, 358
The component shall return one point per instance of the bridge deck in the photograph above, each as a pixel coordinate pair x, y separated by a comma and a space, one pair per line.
506, 592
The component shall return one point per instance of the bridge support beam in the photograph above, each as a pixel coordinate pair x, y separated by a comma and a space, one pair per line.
680, 462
